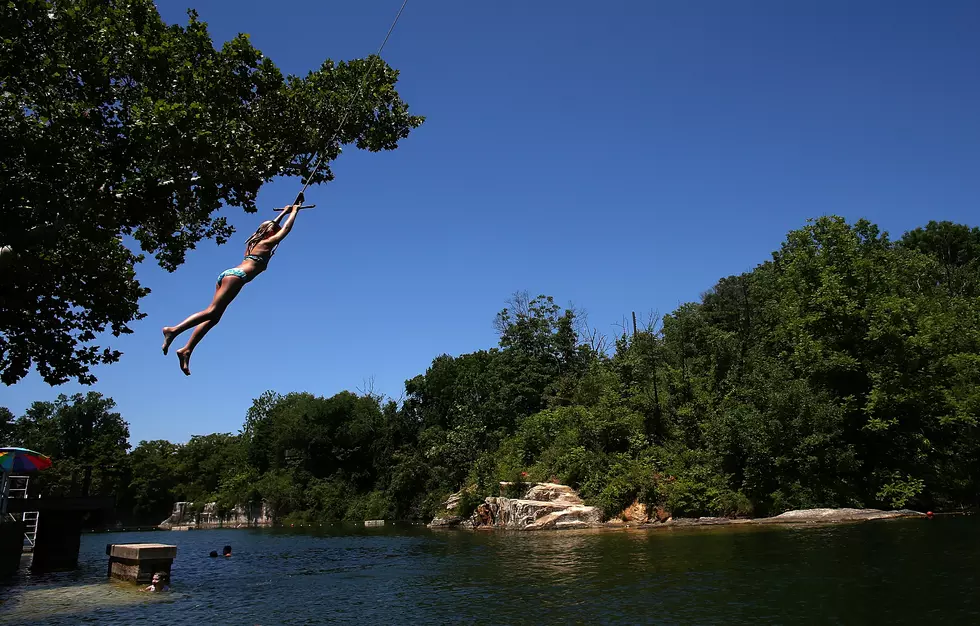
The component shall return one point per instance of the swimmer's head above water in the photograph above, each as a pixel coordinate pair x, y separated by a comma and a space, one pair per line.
158, 583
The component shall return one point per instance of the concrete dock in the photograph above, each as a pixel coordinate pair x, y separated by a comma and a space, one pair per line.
138, 562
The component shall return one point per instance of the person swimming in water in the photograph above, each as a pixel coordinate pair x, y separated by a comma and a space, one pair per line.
258, 250
159, 583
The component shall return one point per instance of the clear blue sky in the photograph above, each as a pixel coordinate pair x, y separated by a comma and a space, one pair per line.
621, 155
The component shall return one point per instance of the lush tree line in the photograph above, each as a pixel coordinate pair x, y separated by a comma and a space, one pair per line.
844, 371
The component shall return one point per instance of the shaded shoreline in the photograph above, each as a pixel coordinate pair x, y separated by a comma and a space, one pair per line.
796, 517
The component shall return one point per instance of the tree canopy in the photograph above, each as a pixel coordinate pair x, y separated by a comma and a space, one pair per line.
117, 128
87, 437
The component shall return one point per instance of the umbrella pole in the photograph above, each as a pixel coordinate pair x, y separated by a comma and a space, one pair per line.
5, 495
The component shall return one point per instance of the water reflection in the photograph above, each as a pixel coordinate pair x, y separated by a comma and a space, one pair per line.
849, 574
64, 599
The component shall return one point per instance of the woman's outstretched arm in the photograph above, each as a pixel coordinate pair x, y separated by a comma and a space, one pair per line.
279, 236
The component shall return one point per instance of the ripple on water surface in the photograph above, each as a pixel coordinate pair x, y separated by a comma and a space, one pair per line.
896, 571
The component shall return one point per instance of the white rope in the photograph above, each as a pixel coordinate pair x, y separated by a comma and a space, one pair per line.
351, 101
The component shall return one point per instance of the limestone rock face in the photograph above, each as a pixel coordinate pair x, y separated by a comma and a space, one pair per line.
636, 513
526, 514
576, 516
453, 501
445, 522
553, 492
542, 506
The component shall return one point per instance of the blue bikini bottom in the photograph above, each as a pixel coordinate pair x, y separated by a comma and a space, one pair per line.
233, 272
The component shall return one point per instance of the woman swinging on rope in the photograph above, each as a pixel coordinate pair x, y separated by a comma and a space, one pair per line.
258, 250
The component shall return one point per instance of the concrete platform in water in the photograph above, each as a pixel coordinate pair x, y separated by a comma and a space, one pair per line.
138, 562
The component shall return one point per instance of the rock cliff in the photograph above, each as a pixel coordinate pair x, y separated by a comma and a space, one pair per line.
540, 506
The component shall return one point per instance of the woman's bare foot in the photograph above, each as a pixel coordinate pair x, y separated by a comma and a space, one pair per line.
168, 338
185, 360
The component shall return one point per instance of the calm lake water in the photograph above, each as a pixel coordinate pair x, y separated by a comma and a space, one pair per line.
903, 571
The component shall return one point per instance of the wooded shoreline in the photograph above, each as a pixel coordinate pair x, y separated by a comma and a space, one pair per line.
844, 372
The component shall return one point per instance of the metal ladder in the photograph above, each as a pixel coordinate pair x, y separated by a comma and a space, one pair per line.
17, 488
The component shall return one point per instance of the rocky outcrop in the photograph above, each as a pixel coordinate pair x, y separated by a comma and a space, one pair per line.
810, 516
661, 518
450, 521
541, 506
552, 492
636, 513
527, 514
449, 517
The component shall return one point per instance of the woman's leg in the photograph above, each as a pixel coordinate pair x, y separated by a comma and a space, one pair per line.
184, 354
223, 295
171, 332
218, 303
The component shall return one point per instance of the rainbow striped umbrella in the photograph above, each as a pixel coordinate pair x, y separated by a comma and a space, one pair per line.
22, 460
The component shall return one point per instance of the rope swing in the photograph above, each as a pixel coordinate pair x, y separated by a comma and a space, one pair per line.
261, 246
300, 197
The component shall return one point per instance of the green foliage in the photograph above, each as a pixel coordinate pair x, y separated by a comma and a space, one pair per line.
468, 501
955, 248
6, 426
693, 485
155, 473
88, 438
329, 500
372, 505
281, 494
624, 482
899, 492
118, 127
